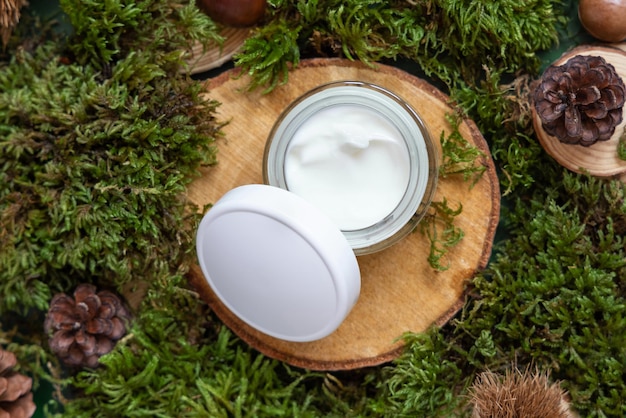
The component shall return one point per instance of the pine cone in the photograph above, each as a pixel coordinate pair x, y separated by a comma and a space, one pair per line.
16, 399
580, 102
85, 327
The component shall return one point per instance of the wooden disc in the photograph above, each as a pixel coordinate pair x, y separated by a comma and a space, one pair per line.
599, 159
400, 291
202, 60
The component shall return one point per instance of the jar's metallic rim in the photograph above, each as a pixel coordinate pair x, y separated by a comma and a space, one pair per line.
423, 179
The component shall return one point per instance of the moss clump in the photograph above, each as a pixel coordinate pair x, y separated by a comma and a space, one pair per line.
450, 40
556, 296
501, 109
553, 297
97, 141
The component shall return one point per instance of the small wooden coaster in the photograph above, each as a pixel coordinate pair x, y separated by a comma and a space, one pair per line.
202, 60
599, 159
400, 291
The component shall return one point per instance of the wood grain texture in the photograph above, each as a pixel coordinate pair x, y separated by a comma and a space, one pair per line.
201, 59
599, 159
400, 292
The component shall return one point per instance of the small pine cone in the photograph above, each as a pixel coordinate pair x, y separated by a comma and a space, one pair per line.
581, 101
16, 399
85, 327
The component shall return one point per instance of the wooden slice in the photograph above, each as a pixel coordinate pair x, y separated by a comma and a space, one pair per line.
202, 59
400, 291
599, 159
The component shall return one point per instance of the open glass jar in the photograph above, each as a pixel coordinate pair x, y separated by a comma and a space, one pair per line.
359, 153
350, 169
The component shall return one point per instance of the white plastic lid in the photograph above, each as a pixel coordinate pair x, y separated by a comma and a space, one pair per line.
278, 263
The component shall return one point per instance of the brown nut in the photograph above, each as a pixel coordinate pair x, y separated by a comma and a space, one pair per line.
604, 19
236, 13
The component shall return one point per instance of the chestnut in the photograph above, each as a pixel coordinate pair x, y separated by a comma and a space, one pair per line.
604, 19
237, 13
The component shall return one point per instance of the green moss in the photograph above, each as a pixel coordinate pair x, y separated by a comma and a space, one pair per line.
450, 39
553, 297
438, 227
272, 50
502, 112
459, 157
422, 381
96, 152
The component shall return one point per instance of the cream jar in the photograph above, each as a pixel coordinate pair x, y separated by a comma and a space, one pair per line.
349, 169
360, 154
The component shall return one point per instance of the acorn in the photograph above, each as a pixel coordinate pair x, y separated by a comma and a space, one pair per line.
604, 19
236, 13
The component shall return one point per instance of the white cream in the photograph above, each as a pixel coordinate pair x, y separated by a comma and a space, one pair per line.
350, 162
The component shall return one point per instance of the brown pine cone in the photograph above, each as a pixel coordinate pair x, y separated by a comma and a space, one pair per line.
580, 102
16, 399
85, 327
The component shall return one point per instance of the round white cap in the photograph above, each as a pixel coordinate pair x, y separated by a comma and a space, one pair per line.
278, 263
